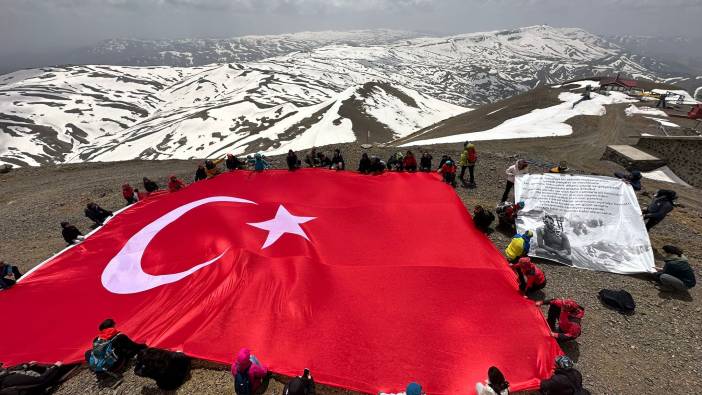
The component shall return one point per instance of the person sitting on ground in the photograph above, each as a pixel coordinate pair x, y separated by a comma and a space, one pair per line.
395, 162
30, 378
174, 184
97, 214
482, 218
564, 318
292, 161
663, 203
212, 167
676, 273
248, 373
414, 389
507, 215
409, 163
425, 162
323, 160
111, 349
566, 380
494, 385
448, 171
259, 162
518, 246
233, 163
311, 158
71, 234
512, 172
530, 277
364, 165
128, 194
337, 161
200, 173
633, 178
7, 270
301, 385
149, 186
552, 239
377, 166
560, 169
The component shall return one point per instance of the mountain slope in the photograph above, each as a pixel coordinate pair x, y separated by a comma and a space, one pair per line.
326, 95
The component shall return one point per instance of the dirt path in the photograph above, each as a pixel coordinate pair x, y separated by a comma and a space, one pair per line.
657, 350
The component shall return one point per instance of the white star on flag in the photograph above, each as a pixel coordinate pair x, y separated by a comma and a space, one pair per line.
283, 223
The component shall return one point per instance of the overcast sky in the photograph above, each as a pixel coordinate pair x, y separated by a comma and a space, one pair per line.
42, 25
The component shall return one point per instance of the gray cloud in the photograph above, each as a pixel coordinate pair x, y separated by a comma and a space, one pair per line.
43, 25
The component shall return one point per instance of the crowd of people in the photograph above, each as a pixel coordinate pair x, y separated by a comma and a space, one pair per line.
112, 349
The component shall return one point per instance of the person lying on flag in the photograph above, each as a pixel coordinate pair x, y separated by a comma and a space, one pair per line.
97, 214
518, 246
530, 277
564, 318
111, 349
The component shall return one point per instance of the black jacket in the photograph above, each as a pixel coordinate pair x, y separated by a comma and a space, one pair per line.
232, 163
364, 166
679, 268
292, 161
150, 186
483, 220
97, 214
659, 208
70, 233
336, 159
200, 174
563, 382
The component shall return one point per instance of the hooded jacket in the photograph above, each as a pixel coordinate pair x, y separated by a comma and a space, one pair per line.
255, 371
175, 184
678, 267
127, 191
468, 156
514, 171
570, 316
532, 274
519, 246
660, 206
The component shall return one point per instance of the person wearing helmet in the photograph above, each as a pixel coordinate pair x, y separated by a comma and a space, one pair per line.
448, 171
512, 172
564, 318
518, 246
530, 277
566, 380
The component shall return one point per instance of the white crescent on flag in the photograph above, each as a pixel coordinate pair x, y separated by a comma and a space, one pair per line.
124, 274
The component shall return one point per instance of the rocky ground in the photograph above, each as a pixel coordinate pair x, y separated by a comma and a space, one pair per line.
656, 350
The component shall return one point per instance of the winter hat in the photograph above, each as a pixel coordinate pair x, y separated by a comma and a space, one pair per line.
521, 204
243, 359
414, 389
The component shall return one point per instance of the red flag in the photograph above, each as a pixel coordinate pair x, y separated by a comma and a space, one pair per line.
369, 281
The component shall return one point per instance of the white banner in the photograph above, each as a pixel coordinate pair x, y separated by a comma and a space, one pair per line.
590, 222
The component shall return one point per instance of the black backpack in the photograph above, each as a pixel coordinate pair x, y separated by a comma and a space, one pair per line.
242, 384
621, 300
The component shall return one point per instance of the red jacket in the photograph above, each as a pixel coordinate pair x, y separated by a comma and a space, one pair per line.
175, 185
409, 161
127, 191
446, 168
532, 274
569, 319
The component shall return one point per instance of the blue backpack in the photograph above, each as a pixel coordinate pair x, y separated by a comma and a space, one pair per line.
242, 384
102, 357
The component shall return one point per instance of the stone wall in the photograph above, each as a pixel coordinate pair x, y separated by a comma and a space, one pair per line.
683, 155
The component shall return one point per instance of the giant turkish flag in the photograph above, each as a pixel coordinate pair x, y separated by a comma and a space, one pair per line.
369, 281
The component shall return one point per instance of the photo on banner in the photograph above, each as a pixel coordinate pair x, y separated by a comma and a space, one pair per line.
589, 222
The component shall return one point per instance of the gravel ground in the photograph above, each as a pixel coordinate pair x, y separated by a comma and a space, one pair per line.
656, 350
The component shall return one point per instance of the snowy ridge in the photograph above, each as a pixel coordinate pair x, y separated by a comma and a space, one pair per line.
318, 88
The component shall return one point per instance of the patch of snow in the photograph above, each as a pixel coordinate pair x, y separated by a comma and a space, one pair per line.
633, 110
580, 84
664, 122
543, 122
664, 174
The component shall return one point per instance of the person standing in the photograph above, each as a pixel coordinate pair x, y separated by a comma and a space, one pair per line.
292, 161
200, 173
467, 161
512, 172
425, 161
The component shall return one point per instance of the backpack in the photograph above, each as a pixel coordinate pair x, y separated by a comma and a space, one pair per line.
621, 300
242, 384
102, 357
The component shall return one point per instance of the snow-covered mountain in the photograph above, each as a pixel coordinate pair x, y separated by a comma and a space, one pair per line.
322, 92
